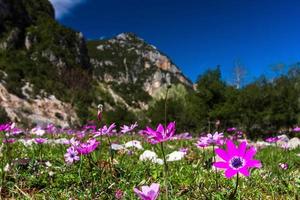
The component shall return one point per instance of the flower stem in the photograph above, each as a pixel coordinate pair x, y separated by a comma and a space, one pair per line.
111, 157
236, 187
79, 171
166, 103
165, 170
91, 173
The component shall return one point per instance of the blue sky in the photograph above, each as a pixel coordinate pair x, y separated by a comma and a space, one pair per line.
198, 34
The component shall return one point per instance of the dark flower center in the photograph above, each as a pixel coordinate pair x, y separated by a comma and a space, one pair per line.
72, 155
237, 162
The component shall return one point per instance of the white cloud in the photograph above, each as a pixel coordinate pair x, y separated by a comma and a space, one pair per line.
63, 7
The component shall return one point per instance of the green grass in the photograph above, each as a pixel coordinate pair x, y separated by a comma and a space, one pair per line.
190, 178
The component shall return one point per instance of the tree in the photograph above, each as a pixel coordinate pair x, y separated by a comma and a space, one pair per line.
210, 90
239, 74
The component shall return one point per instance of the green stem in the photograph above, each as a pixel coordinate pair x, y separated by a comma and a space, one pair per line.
79, 171
166, 103
111, 157
165, 170
91, 168
236, 187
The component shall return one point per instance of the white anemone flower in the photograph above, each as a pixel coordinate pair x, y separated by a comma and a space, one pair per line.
134, 143
26, 142
38, 131
151, 156
175, 156
117, 147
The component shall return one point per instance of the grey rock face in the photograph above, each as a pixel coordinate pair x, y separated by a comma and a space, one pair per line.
37, 110
131, 60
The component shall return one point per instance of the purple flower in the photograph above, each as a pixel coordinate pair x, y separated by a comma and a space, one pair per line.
87, 147
51, 128
9, 140
148, 193
7, 127
296, 129
202, 142
236, 160
210, 139
71, 156
74, 142
184, 150
119, 194
89, 127
105, 130
272, 139
182, 136
80, 134
215, 139
283, 166
16, 131
40, 140
126, 129
231, 129
161, 134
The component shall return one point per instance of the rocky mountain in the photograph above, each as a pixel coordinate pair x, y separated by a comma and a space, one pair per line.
134, 69
127, 58
35, 50
50, 74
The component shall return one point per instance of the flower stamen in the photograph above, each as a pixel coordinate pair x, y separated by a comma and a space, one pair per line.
237, 162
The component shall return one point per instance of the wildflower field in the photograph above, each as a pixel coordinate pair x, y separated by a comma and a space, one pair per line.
132, 162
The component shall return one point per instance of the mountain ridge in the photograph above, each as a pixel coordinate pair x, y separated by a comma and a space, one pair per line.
41, 59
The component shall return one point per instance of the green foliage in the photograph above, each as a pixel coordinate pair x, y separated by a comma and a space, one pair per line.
183, 106
120, 115
131, 93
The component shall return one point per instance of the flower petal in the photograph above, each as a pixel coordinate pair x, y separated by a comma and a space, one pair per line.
222, 154
244, 171
160, 129
250, 153
150, 131
254, 163
139, 193
155, 187
229, 173
242, 148
231, 149
222, 165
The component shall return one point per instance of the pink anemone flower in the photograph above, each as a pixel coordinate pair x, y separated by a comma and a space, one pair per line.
296, 129
202, 142
87, 147
106, 130
237, 159
161, 134
40, 140
283, 166
148, 193
215, 139
71, 156
126, 129
272, 139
